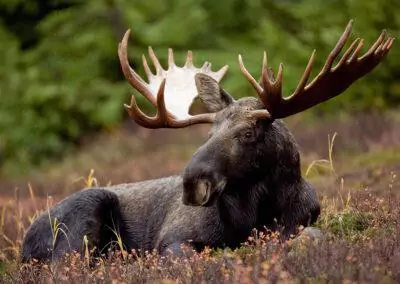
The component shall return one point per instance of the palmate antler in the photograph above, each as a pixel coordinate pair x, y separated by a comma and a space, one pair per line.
329, 83
171, 91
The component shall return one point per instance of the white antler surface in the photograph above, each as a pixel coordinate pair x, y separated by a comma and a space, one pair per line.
180, 87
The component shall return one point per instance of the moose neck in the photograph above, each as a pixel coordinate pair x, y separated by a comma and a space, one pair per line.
239, 204
238, 207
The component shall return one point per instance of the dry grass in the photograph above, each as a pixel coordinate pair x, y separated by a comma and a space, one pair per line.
360, 216
146, 154
361, 244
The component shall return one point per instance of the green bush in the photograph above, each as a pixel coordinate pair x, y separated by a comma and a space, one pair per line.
60, 77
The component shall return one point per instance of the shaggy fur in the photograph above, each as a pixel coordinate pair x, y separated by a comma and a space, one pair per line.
246, 175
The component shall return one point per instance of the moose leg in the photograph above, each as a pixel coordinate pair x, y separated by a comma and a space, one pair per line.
308, 198
93, 213
302, 209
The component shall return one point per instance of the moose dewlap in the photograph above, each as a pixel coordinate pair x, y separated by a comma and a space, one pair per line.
246, 175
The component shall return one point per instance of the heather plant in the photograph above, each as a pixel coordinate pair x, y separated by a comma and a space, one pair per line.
347, 251
360, 243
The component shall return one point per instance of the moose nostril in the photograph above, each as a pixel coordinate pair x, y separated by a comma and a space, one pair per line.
203, 188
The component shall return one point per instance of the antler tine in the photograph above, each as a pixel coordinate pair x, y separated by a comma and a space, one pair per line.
306, 75
388, 42
146, 67
272, 87
338, 48
221, 72
265, 62
356, 51
160, 119
162, 113
131, 76
217, 75
330, 82
375, 46
189, 59
156, 62
265, 66
351, 52
171, 61
137, 115
248, 76
206, 66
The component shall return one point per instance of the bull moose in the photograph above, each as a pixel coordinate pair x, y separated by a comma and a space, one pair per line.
246, 175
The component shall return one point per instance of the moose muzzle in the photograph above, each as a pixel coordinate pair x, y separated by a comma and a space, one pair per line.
201, 188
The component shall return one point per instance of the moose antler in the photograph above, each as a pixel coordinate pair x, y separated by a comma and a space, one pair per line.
329, 83
171, 91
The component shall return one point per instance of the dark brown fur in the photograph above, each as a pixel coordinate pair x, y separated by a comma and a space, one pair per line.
246, 175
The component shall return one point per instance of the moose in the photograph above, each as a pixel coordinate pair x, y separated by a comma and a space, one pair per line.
245, 176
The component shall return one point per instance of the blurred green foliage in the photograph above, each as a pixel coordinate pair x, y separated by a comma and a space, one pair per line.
60, 78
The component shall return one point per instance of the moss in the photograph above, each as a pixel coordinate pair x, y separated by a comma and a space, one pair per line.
350, 223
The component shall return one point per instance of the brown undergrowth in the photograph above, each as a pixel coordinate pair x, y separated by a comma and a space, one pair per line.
360, 217
127, 156
360, 243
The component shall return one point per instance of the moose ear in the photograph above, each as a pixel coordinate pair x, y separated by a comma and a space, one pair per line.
211, 94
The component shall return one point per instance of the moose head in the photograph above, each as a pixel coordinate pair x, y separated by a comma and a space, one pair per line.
247, 140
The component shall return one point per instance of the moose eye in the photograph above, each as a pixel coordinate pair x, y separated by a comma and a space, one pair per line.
248, 134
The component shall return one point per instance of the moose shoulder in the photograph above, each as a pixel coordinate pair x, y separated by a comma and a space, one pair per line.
246, 175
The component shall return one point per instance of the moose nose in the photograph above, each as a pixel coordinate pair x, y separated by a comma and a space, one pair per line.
198, 194
200, 185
